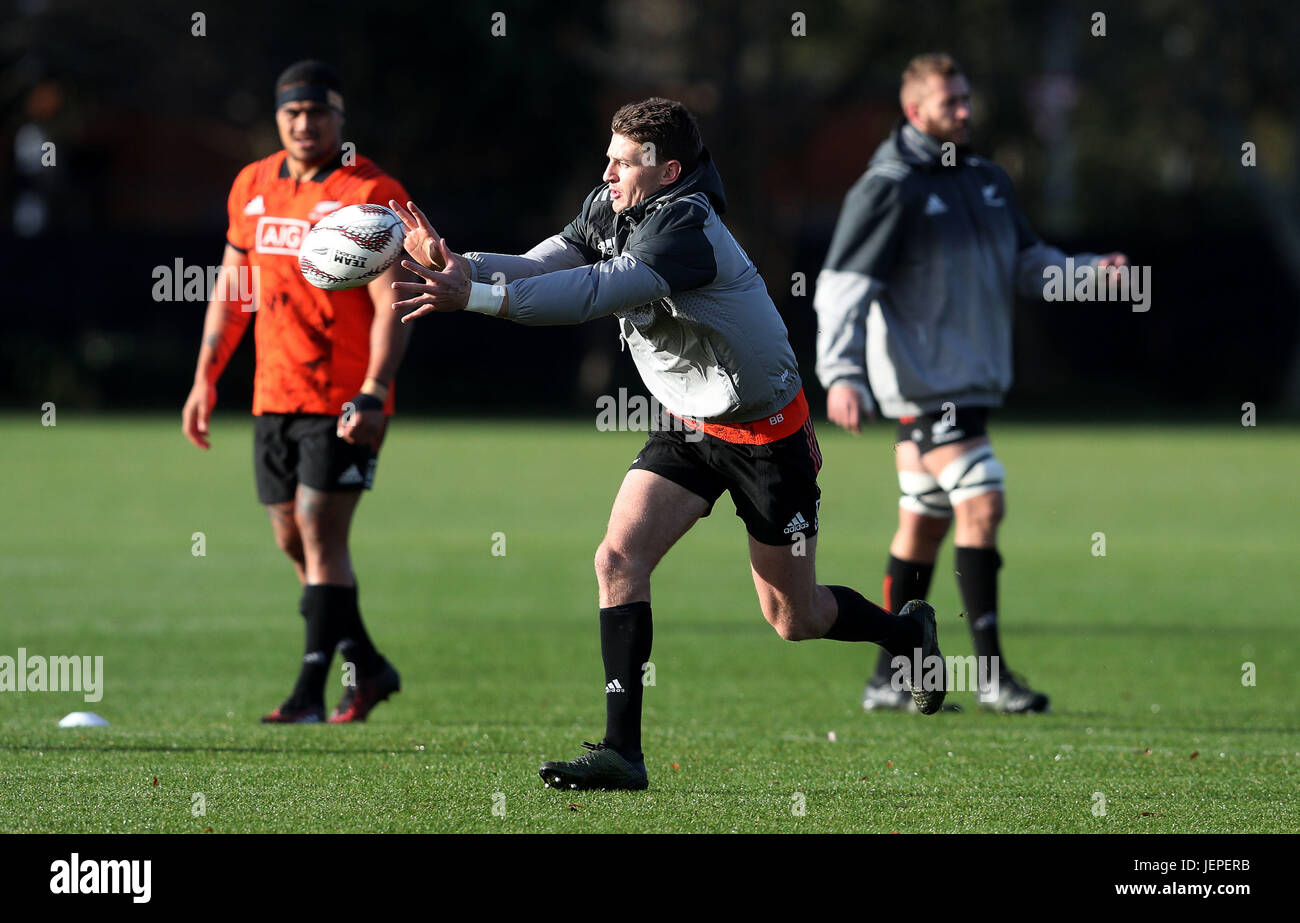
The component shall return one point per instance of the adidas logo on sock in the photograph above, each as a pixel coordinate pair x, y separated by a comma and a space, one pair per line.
614, 686
798, 524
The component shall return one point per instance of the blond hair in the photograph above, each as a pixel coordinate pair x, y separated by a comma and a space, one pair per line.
920, 68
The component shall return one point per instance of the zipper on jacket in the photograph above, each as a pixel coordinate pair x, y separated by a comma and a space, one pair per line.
618, 250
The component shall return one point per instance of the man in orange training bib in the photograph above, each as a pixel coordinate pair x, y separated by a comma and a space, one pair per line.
323, 389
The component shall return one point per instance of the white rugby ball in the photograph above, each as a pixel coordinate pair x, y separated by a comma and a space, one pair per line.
350, 247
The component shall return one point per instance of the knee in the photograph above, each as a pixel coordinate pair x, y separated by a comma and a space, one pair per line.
974, 486
787, 621
794, 631
615, 566
985, 512
790, 631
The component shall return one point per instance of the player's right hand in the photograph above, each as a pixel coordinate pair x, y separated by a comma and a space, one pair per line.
848, 406
422, 241
198, 409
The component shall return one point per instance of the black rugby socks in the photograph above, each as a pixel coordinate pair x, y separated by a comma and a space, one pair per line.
859, 619
322, 636
625, 635
354, 643
977, 578
904, 581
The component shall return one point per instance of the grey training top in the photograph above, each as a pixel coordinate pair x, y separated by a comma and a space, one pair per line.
692, 308
917, 291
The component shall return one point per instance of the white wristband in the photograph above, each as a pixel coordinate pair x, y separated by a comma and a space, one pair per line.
485, 299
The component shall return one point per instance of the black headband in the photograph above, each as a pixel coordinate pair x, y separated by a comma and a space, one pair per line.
301, 92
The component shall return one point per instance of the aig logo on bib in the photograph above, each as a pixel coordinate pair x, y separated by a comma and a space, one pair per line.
280, 235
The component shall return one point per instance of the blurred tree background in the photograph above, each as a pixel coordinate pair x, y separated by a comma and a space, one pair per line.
1130, 140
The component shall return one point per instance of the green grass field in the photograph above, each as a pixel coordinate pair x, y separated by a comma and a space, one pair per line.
1142, 650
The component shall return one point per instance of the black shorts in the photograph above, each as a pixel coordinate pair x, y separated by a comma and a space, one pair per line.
298, 448
774, 486
932, 430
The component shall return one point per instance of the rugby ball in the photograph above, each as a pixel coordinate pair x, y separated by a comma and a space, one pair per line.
350, 247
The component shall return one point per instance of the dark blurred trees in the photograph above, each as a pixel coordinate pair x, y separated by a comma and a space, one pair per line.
1129, 140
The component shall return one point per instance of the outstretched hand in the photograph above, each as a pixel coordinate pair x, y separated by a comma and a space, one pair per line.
422, 239
445, 289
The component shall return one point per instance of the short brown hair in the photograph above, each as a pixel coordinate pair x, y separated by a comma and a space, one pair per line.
666, 124
921, 67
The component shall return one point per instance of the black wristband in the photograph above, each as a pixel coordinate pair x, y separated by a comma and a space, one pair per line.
364, 402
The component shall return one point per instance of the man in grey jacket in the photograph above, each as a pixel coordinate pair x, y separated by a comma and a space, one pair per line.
914, 304
650, 248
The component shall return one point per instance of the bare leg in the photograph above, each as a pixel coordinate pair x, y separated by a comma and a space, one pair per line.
287, 536
792, 601
801, 609
649, 515
324, 520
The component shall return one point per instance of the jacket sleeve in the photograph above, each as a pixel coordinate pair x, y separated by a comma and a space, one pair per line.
573, 296
671, 253
1033, 255
862, 254
554, 253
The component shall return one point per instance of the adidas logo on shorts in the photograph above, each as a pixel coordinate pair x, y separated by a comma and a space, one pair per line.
351, 476
798, 524
614, 686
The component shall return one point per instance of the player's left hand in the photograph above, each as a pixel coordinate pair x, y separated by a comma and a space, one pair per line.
362, 427
422, 238
445, 289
